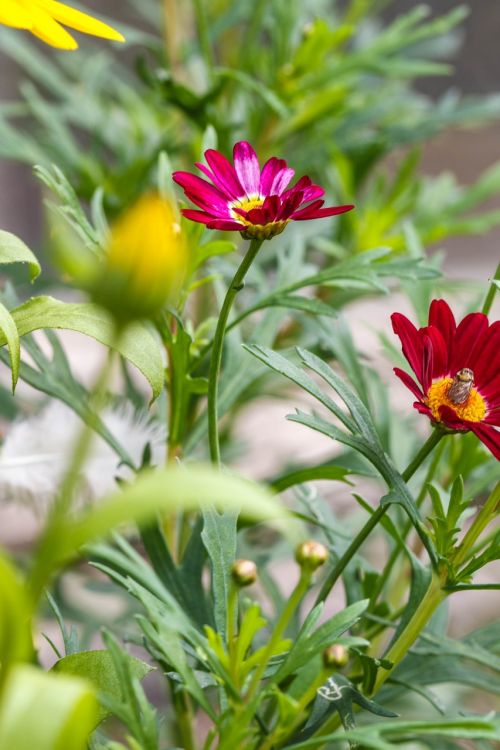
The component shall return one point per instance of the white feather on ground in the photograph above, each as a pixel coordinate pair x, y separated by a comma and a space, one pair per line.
36, 450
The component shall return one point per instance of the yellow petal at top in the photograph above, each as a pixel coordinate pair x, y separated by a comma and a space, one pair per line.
79, 21
46, 18
13, 14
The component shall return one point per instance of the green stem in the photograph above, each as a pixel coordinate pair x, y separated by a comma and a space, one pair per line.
375, 517
384, 577
293, 603
434, 596
487, 513
488, 302
218, 344
204, 35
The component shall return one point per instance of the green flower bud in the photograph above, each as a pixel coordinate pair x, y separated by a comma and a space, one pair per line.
244, 572
335, 656
311, 554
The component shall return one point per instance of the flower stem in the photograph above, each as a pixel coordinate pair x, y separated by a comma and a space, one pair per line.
218, 344
432, 599
375, 517
488, 302
487, 513
293, 603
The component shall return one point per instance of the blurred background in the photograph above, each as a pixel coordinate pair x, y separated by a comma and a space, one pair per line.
465, 152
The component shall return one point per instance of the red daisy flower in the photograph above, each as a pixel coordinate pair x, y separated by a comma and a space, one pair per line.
248, 199
458, 369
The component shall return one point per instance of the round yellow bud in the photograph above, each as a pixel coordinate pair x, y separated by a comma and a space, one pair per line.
311, 554
144, 261
244, 572
335, 656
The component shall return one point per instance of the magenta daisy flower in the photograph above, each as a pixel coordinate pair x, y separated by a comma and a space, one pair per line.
245, 198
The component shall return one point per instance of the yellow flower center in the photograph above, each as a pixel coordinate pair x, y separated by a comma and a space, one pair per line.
472, 410
256, 231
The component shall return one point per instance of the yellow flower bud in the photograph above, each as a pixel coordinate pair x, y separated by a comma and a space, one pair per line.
311, 554
144, 262
244, 572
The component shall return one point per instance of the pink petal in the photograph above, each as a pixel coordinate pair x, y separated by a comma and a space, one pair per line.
408, 381
224, 174
201, 192
247, 167
200, 216
321, 213
228, 226
275, 176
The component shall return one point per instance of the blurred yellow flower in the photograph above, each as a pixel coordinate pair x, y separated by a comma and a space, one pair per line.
46, 18
145, 260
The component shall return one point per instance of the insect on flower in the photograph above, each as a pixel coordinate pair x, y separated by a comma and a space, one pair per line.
458, 371
245, 198
46, 20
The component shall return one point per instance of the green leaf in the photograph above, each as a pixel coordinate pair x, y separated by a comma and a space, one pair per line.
98, 667
171, 490
138, 344
13, 250
46, 711
308, 645
219, 538
15, 614
9, 331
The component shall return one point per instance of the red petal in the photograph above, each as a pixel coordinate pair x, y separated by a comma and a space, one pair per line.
408, 381
488, 435
487, 364
441, 317
451, 419
412, 343
467, 338
439, 360
423, 409
320, 213
228, 226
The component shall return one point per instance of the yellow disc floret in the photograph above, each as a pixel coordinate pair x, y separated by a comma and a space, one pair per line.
472, 410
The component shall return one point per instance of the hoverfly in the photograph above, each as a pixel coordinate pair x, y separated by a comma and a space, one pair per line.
460, 388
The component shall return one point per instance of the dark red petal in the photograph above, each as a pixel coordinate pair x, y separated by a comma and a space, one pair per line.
439, 359
487, 363
423, 409
199, 216
229, 226
300, 185
408, 381
441, 317
247, 167
450, 418
289, 205
491, 391
201, 192
275, 176
224, 174
411, 341
427, 361
258, 216
305, 212
321, 213
467, 337
488, 435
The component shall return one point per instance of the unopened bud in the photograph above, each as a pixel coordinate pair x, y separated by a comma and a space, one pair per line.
311, 554
144, 261
244, 572
335, 656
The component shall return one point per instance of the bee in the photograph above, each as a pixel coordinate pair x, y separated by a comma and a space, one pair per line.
459, 390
